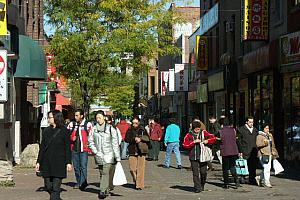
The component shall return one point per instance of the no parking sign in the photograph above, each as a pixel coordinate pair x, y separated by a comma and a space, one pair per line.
3, 75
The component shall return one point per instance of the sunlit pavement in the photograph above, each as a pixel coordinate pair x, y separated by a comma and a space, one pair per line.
160, 183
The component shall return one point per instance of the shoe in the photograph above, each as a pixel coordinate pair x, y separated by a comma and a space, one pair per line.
101, 195
76, 186
237, 184
202, 187
179, 167
138, 188
149, 159
226, 186
269, 185
257, 178
197, 190
166, 167
83, 186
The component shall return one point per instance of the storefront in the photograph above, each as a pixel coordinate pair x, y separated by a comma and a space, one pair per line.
290, 69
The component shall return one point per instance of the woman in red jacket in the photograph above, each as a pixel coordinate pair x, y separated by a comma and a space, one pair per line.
193, 142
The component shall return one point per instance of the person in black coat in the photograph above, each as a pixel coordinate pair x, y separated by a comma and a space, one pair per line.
246, 141
54, 157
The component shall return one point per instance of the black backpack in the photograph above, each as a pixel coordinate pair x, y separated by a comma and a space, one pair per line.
85, 126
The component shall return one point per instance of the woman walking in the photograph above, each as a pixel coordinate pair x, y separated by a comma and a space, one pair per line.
266, 152
229, 152
54, 157
137, 138
195, 142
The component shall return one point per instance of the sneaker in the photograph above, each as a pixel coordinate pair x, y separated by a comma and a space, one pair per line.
179, 167
166, 167
269, 185
257, 178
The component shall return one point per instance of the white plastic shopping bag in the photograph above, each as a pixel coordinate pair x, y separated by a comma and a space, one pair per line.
277, 167
119, 176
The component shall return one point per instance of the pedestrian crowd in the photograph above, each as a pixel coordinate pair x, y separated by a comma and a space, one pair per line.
66, 146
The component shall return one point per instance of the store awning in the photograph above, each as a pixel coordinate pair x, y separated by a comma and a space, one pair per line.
32, 61
62, 100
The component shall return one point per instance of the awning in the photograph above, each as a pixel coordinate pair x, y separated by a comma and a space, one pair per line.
32, 61
62, 100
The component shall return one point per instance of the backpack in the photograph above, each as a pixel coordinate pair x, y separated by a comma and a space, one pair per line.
84, 126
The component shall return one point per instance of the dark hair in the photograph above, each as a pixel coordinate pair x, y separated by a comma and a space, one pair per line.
265, 124
109, 118
80, 111
196, 124
172, 120
196, 117
212, 117
136, 118
58, 118
249, 117
151, 117
101, 112
225, 122
122, 117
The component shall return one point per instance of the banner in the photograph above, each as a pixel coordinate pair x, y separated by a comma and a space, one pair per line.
181, 78
202, 52
164, 78
255, 20
3, 22
3, 75
171, 80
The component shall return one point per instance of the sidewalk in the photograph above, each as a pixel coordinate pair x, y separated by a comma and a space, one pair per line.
160, 184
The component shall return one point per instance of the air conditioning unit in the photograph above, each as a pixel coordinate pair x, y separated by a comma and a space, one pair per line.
229, 27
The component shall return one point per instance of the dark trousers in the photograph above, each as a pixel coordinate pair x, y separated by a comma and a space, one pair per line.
154, 151
228, 163
199, 173
52, 185
252, 165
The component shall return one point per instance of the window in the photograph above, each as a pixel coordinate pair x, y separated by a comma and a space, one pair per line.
297, 2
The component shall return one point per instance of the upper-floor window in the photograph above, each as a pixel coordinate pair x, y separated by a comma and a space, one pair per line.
297, 2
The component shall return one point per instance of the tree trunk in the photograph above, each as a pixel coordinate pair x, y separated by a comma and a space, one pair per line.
86, 99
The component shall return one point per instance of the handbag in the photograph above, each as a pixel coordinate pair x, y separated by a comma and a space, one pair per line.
265, 159
119, 175
277, 167
40, 173
206, 152
241, 167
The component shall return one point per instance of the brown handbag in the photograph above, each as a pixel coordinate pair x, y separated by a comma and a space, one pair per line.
143, 147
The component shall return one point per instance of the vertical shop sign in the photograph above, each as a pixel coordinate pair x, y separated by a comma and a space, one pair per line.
181, 77
202, 52
171, 80
164, 77
3, 75
3, 21
255, 20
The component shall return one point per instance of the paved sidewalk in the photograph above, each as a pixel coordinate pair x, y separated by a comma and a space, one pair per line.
160, 184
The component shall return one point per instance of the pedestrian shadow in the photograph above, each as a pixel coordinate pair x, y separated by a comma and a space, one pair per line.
91, 190
184, 188
69, 184
43, 189
129, 185
215, 184
95, 184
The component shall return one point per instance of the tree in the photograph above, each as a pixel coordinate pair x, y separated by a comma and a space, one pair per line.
94, 38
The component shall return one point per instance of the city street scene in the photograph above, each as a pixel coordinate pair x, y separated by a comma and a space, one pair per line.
154, 99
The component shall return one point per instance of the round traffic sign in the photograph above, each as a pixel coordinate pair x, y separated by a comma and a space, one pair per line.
2, 65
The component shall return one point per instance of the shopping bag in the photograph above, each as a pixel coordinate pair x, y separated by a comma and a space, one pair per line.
205, 154
241, 167
119, 176
277, 167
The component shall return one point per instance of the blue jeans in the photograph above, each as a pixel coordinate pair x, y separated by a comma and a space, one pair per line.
172, 146
80, 161
124, 147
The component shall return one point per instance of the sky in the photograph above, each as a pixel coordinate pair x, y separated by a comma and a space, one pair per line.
49, 30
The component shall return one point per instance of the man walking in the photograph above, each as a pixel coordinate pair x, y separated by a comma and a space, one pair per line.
172, 143
80, 130
123, 126
155, 133
247, 147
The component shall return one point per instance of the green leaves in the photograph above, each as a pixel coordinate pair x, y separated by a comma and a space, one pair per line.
93, 37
